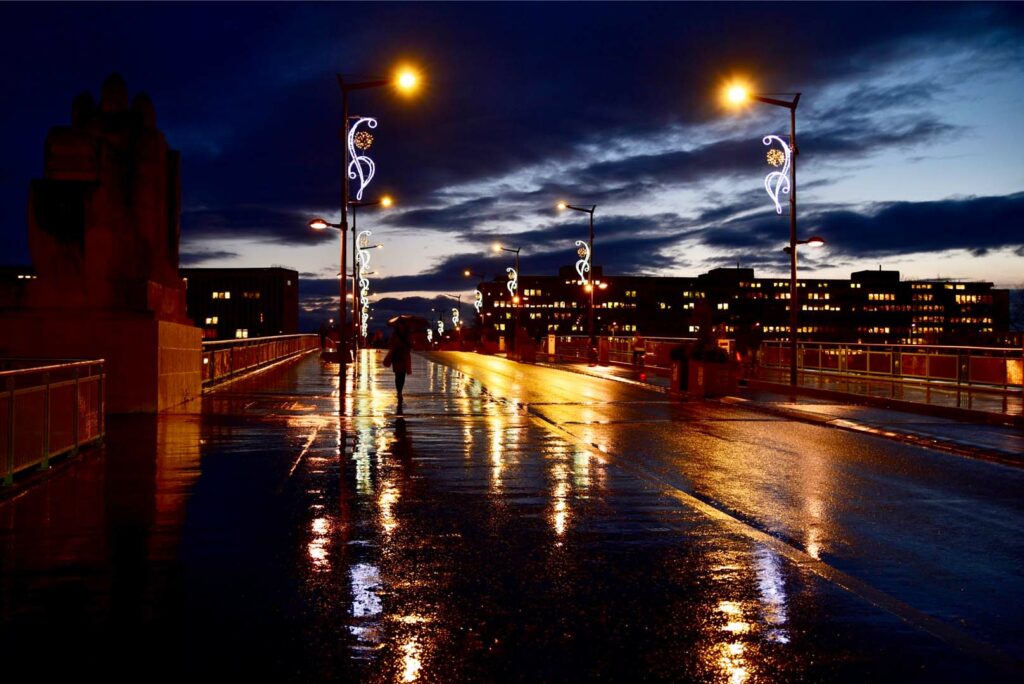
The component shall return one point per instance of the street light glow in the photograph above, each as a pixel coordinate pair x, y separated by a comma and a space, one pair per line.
562, 205
386, 201
737, 94
496, 247
318, 224
407, 80
815, 241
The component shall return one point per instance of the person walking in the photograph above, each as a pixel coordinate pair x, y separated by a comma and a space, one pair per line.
639, 350
399, 356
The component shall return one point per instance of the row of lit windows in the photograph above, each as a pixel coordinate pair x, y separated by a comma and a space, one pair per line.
220, 295
881, 297
973, 299
820, 307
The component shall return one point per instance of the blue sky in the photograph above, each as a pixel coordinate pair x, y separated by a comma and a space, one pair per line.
911, 154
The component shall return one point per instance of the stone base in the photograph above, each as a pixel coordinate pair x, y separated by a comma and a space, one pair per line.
151, 365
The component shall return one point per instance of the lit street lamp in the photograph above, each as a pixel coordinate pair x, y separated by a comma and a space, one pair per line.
738, 94
406, 81
584, 267
513, 287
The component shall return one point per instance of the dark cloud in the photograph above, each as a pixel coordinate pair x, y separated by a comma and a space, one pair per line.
195, 257
977, 224
281, 225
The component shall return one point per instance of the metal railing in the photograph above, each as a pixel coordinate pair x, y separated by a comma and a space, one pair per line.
227, 358
48, 410
994, 367
619, 350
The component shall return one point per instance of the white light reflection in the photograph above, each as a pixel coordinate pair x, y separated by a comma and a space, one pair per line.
777, 180
772, 588
411, 660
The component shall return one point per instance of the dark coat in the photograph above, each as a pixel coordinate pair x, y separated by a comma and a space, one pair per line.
400, 351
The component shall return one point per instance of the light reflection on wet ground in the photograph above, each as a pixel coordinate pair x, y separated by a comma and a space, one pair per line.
462, 541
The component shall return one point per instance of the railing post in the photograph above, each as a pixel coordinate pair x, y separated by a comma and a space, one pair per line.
45, 461
102, 402
75, 412
9, 475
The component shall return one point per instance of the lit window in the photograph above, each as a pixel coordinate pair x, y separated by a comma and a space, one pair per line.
241, 332
211, 320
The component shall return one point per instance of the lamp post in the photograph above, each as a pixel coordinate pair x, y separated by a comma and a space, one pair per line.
406, 80
738, 94
814, 241
513, 288
357, 303
583, 267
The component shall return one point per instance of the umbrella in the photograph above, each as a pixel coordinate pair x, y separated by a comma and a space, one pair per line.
414, 323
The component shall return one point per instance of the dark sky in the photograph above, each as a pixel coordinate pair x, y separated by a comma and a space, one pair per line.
909, 131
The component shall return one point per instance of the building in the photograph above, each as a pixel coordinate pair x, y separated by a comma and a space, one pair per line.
872, 306
231, 303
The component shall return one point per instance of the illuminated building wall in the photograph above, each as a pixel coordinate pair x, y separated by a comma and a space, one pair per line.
872, 306
242, 302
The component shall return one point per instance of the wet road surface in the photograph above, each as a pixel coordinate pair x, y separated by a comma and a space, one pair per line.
518, 524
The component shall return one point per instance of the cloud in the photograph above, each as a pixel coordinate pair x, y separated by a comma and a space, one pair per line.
282, 225
194, 257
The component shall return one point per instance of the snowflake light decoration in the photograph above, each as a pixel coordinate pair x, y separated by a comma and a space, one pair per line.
363, 140
776, 157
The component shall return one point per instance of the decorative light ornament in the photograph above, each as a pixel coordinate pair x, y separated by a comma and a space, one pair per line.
455, 318
365, 318
513, 281
361, 166
364, 140
362, 261
583, 265
440, 327
430, 335
478, 304
777, 181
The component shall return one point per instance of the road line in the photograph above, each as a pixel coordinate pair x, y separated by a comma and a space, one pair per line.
876, 597
302, 455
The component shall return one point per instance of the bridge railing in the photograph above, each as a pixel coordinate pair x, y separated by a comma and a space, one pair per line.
48, 407
619, 350
997, 367
223, 359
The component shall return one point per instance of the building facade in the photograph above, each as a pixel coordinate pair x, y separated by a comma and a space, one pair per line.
870, 307
230, 303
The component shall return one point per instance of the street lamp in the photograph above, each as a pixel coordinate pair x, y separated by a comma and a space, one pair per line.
513, 287
584, 267
406, 80
738, 94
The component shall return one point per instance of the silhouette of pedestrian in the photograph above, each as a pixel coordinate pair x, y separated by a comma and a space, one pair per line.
399, 356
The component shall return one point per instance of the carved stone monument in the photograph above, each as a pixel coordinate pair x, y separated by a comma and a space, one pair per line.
103, 232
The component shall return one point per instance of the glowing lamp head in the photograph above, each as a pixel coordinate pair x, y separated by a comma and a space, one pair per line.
318, 224
562, 205
815, 241
737, 94
407, 80
588, 287
515, 300
467, 273
602, 286
496, 247
386, 201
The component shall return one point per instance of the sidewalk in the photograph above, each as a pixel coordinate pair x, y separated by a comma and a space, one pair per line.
938, 425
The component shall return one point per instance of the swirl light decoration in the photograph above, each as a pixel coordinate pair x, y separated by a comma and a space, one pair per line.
361, 166
777, 181
455, 318
583, 265
479, 303
513, 281
440, 327
430, 335
362, 261
364, 318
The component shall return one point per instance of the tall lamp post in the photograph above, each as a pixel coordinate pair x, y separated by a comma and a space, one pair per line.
407, 81
737, 95
357, 303
585, 268
513, 288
